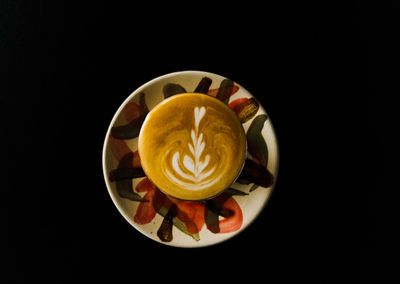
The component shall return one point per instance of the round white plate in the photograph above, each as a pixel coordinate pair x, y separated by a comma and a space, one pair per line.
238, 206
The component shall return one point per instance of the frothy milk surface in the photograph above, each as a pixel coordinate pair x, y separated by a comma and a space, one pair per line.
192, 146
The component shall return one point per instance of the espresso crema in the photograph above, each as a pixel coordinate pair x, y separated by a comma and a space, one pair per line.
192, 146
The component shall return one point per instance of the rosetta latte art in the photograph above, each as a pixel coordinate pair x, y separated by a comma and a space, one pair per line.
192, 146
196, 176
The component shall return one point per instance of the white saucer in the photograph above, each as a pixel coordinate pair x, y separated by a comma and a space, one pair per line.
240, 205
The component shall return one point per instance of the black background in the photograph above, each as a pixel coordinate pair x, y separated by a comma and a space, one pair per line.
319, 71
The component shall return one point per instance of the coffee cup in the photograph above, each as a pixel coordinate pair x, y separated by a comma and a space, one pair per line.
192, 146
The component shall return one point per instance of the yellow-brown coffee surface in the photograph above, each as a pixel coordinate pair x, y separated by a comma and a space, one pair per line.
192, 146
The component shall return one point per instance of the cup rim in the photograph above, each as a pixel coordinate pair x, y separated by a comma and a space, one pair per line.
242, 130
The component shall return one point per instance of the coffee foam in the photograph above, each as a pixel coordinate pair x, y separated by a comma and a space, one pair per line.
192, 146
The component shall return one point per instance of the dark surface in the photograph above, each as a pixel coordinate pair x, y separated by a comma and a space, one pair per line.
318, 71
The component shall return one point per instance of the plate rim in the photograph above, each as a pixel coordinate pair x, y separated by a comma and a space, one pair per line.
114, 199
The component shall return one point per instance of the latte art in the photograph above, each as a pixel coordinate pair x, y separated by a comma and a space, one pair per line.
198, 177
192, 146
